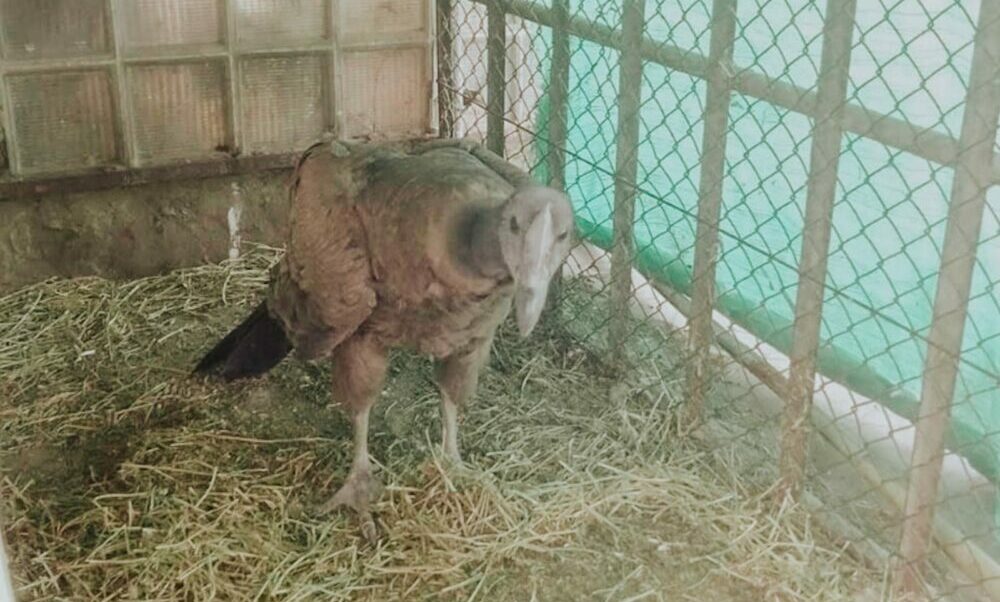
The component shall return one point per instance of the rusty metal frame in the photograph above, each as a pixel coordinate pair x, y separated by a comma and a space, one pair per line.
977, 168
626, 172
891, 131
713, 166
951, 302
821, 192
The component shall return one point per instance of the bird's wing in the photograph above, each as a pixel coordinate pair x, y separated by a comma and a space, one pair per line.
322, 288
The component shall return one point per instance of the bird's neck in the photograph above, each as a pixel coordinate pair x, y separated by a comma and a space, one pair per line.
477, 243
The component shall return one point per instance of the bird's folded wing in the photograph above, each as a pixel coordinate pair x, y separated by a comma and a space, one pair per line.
322, 289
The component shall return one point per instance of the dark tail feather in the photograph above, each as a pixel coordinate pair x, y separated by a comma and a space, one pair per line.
252, 348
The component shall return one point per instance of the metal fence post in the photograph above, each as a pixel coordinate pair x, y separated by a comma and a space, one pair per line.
626, 168
496, 75
558, 95
124, 121
958, 258
827, 135
235, 113
558, 115
713, 162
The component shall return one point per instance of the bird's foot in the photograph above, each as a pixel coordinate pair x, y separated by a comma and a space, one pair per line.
459, 475
450, 454
358, 492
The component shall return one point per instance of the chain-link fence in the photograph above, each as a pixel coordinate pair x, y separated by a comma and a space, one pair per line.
813, 188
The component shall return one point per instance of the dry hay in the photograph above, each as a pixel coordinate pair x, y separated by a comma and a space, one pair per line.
126, 479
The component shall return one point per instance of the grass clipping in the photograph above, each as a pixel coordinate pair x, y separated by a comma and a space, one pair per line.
126, 479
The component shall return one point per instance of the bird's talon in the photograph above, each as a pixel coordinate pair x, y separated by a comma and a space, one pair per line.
357, 493
459, 474
368, 529
453, 463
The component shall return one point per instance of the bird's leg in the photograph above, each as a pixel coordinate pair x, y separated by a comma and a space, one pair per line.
359, 367
457, 376
449, 428
361, 486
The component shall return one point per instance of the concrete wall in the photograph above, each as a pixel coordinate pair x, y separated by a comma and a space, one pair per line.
138, 230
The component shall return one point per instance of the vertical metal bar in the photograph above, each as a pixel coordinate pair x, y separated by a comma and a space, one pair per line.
5, 165
338, 119
559, 95
496, 76
432, 116
7, 107
6, 121
965, 214
558, 115
445, 69
626, 168
827, 134
233, 69
125, 109
713, 163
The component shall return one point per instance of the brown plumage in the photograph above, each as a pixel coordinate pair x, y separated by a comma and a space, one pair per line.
420, 246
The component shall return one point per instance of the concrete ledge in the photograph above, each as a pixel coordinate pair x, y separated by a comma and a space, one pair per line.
138, 230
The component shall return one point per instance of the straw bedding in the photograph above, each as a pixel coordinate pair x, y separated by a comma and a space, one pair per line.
126, 479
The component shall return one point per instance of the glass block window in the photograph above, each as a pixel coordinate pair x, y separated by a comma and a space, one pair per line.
112, 84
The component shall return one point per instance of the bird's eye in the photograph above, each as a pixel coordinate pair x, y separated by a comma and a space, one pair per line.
562, 236
513, 224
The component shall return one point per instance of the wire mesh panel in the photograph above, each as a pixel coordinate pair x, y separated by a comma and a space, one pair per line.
781, 39
912, 59
469, 78
206, 80
906, 70
525, 83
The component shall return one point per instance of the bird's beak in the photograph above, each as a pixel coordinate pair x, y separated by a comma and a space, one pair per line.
528, 305
534, 272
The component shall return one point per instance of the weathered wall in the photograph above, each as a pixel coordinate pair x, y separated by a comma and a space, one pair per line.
138, 230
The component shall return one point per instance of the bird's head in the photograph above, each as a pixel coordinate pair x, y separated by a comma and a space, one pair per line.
536, 233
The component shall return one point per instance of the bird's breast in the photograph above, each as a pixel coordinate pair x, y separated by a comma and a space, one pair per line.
442, 323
